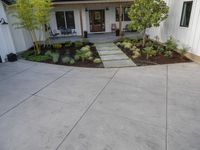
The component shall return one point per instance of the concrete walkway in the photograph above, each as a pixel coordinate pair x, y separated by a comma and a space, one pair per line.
51, 107
112, 56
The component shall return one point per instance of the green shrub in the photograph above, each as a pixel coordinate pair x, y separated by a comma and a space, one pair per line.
39, 58
97, 60
149, 52
168, 54
84, 53
57, 46
65, 60
127, 45
55, 56
136, 54
183, 51
118, 44
78, 44
68, 44
28, 53
72, 61
160, 50
170, 44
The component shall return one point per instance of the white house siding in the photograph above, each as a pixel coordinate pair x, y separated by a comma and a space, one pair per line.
187, 36
21, 37
109, 18
6, 40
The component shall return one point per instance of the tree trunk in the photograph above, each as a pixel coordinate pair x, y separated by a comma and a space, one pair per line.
144, 38
35, 42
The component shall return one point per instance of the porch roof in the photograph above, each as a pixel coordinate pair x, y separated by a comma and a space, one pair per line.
87, 1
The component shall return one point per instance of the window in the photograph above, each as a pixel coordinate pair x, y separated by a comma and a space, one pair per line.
65, 19
186, 12
124, 14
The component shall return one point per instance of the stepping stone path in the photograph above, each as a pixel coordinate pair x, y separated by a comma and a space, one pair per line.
112, 56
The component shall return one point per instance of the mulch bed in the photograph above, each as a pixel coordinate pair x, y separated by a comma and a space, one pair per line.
72, 51
159, 59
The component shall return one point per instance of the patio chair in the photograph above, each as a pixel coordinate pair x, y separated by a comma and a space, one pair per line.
53, 34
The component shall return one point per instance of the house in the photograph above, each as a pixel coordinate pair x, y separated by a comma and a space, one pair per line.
183, 24
73, 17
67, 17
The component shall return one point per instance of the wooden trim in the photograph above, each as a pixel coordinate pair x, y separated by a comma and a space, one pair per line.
193, 57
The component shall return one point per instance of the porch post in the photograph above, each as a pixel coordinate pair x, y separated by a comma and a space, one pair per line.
120, 19
81, 21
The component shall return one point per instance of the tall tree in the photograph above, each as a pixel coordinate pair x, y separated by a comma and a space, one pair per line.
42, 9
147, 13
33, 15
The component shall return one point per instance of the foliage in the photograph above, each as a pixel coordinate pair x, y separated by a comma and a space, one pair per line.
168, 54
26, 54
160, 49
97, 60
42, 10
72, 61
127, 45
66, 60
136, 54
147, 13
85, 40
68, 44
78, 44
55, 56
170, 44
57, 46
149, 52
84, 53
39, 58
183, 51
32, 14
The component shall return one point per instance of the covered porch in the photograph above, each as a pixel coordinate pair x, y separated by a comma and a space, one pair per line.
95, 37
75, 17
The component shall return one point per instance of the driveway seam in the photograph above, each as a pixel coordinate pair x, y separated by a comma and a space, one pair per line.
166, 130
34, 93
53, 81
67, 135
18, 73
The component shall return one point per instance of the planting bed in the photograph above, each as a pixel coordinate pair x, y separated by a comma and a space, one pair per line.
81, 54
152, 53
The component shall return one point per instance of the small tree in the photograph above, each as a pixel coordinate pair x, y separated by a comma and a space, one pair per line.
147, 13
33, 15
42, 9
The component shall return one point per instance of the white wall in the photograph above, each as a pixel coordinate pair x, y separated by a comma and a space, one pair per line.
21, 37
6, 40
187, 36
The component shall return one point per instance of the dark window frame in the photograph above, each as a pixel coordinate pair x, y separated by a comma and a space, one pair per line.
185, 22
66, 19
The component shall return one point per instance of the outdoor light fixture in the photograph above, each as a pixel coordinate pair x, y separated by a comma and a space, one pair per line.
86, 9
107, 8
3, 22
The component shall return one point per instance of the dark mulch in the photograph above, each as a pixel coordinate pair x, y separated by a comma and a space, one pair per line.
71, 51
159, 59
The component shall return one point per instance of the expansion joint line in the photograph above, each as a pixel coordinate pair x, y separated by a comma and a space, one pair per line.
166, 99
84, 113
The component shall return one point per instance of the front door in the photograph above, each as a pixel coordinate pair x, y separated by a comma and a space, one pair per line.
97, 20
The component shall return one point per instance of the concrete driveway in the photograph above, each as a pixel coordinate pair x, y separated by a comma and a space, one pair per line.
49, 107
